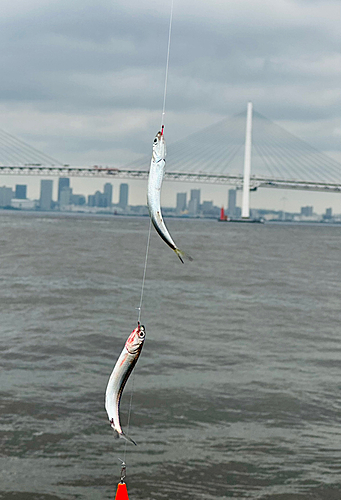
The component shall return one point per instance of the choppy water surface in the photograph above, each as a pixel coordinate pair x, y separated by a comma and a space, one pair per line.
236, 393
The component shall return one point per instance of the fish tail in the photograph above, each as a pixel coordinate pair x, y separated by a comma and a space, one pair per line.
121, 434
127, 438
182, 255
118, 434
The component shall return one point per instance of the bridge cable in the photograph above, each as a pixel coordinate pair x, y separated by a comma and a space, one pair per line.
11, 142
300, 161
288, 154
312, 158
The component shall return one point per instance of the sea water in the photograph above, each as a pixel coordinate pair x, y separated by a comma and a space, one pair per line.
237, 390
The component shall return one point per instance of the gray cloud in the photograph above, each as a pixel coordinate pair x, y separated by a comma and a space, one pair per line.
80, 79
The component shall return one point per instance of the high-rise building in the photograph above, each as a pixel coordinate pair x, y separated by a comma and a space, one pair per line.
100, 199
307, 211
46, 186
181, 202
108, 194
231, 203
91, 200
20, 191
193, 207
194, 202
238, 212
6, 195
207, 206
63, 182
123, 200
65, 197
77, 199
195, 195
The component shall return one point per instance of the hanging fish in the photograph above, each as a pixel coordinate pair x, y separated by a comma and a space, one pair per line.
156, 171
119, 376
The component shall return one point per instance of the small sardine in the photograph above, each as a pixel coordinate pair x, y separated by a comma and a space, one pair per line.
156, 171
119, 376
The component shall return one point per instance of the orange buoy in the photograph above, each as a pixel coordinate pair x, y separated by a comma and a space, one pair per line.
122, 492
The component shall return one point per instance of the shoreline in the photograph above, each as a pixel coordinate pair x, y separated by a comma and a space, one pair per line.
80, 214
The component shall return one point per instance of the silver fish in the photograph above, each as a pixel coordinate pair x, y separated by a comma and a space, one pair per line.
119, 376
156, 171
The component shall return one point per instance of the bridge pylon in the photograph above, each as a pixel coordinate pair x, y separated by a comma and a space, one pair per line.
247, 163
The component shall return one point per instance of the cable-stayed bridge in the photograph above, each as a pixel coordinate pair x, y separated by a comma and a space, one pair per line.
215, 154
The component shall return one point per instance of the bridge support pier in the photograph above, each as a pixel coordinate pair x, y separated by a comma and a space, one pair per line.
247, 164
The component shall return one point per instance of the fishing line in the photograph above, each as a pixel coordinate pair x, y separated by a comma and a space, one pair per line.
167, 65
144, 272
129, 413
150, 226
162, 127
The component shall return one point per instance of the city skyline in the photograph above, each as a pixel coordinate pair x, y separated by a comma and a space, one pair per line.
103, 200
276, 199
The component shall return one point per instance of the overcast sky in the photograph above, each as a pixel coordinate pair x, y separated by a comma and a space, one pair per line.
83, 80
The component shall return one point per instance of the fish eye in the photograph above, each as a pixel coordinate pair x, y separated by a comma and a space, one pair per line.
141, 335
155, 140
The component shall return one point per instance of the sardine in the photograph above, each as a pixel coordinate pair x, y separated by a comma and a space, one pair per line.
156, 172
119, 376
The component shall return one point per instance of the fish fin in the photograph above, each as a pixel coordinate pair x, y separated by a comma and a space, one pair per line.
116, 433
127, 438
182, 255
121, 434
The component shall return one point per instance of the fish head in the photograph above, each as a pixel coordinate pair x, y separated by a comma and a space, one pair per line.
159, 151
135, 340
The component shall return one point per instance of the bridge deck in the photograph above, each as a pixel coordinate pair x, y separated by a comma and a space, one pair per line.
229, 179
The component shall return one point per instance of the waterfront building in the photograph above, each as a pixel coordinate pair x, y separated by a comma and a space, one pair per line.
91, 200
108, 194
181, 202
193, 207
77, 199
20, 191
123, 200
207, 206
98, 199
238, 212
63, 182
65, 197
46, 186
23, 204
6, 195
195, 195
307, 211
231, 203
